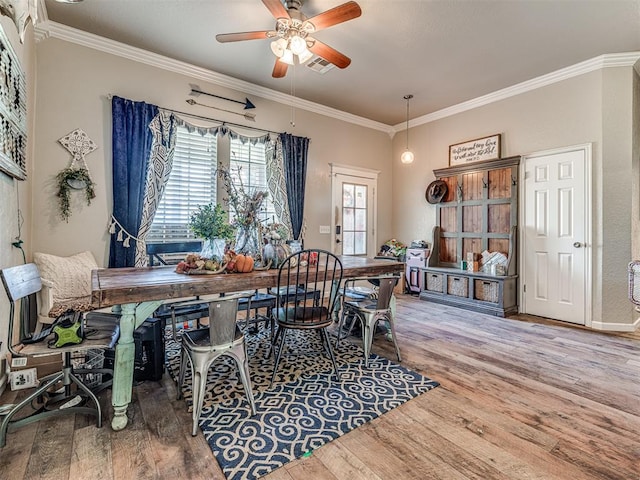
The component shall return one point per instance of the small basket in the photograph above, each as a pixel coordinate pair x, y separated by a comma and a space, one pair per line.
486, 290
89, 360
458, 286
434, 282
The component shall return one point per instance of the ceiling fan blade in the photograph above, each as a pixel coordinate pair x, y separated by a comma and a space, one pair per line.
276, 8
330, 54
279, 69
237, 37
339, 14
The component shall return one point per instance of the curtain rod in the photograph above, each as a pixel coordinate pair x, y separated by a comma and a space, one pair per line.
202, 117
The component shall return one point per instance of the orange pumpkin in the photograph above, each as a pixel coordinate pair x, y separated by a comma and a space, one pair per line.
244, 263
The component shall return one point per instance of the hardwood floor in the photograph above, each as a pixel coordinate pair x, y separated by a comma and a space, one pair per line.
520, 398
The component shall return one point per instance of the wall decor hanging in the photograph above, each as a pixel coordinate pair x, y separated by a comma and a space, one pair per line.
76, 176
13, 112
486, 148
20, 11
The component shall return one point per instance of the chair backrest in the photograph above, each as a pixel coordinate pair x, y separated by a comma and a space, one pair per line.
20, 282
310, 270
385, 291
155, 250
223, 312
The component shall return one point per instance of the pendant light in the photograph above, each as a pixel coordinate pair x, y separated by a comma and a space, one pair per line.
407, 157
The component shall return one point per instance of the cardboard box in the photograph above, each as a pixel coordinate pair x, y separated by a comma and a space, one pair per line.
44, 365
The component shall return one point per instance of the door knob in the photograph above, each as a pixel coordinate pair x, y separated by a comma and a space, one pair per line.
577, 244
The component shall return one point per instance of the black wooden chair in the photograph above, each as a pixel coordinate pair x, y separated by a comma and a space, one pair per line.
20, 282
167, 253
312, 270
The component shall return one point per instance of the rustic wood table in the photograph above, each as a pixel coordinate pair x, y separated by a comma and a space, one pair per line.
138, 292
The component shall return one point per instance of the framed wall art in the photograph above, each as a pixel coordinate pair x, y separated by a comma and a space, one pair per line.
13, 112
485, 148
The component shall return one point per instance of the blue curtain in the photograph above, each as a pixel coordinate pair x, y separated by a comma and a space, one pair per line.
294, 152
131, 140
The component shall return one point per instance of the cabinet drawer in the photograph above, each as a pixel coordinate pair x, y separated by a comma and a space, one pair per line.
434, 282
487, 290
457, 286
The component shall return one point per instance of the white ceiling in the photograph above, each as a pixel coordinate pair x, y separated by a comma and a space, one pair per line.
444, 52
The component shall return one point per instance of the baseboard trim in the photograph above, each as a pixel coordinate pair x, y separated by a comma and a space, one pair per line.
616, 327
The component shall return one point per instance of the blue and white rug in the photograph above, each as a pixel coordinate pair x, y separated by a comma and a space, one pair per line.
306, 407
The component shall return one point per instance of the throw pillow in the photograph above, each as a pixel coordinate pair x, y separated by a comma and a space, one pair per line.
70, 276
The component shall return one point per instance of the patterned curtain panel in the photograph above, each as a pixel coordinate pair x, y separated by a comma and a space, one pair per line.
131, 145
294, 151
163, 127
277, 183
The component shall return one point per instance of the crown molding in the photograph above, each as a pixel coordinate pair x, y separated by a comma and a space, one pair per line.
49, 29
629, 59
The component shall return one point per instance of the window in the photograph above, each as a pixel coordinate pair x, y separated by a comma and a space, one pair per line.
192, 183
249, 160
354, 217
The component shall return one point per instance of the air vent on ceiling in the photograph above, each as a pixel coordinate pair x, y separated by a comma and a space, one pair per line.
320, 65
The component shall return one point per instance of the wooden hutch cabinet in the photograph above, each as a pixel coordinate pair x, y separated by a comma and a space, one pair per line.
479, 213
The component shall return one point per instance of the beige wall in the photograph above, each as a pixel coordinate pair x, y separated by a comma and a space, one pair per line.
73, 94
13, 192
593, 108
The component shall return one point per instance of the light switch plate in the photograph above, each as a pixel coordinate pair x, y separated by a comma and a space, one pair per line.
325, 229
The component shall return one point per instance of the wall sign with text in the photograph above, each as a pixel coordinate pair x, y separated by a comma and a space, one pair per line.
486, 148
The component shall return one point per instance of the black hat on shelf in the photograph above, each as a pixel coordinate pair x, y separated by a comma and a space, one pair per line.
436, 191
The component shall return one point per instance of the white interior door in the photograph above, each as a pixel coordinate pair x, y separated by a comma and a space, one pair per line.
556, 235
353, 208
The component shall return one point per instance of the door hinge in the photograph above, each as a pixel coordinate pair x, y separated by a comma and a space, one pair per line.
524, 288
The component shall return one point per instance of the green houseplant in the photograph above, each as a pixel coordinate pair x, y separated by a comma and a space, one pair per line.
211, 222
73, 179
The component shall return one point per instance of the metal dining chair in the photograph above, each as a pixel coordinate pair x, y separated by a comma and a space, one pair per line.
369, 310
203, 346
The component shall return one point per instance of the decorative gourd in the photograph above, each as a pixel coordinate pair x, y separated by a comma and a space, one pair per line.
244, 263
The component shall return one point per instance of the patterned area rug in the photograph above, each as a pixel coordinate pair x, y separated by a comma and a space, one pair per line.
305, 408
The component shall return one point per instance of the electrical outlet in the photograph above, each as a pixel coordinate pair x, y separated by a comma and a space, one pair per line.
326, 229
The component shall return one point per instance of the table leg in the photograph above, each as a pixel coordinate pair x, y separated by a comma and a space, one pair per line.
123, 368
132, 317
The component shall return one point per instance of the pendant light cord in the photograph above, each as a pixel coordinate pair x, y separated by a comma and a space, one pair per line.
407, 98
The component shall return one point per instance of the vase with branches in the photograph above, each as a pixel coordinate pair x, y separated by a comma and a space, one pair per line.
246, 206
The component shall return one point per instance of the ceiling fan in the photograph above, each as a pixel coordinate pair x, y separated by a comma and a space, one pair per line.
292, 34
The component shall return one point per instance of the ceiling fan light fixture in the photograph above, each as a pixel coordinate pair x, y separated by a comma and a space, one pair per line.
305, 56
407, 157
278, 47
287, 57
297, 44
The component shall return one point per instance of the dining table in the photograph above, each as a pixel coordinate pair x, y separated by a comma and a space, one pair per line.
136, 292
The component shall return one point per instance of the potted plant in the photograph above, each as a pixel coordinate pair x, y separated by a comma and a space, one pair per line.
211, 223
73, 179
